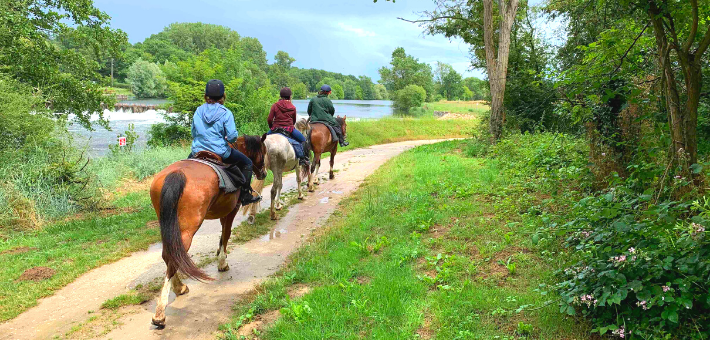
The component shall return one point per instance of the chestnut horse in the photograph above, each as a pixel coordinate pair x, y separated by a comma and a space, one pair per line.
319, 140
185, 194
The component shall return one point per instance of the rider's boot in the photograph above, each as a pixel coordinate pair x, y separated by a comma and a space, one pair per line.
343, 142
246, 194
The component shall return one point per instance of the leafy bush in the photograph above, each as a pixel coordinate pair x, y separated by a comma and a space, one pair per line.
640, 265
163, 134
409, 97
146, 79
299, 90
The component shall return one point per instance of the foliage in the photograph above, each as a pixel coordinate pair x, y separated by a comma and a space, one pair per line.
337, 92
406, 70
192, 38
640, 265
409, 97
284, 60
147, 79
478, 87
380, 92
299, 91
449, 81
66, 79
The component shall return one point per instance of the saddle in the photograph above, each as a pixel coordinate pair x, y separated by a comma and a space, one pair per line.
230, 176
333, 134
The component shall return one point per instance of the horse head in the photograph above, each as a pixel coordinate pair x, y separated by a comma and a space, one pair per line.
254, 148
343, 124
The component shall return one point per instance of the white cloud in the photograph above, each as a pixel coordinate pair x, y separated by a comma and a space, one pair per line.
359, 31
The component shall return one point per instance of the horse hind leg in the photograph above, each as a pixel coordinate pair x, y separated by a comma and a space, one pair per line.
276, 194
159, 317
313, 177
226, 221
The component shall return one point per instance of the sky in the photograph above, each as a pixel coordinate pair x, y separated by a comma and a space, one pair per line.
346, 36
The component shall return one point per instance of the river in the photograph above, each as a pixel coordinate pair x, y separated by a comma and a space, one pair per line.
99, 139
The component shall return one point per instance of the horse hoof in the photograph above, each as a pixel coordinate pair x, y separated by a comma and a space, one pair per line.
332, 176
300, 198
251, 219
160, 323
185, 290
311, 189
279, 207
274, 217
223, 269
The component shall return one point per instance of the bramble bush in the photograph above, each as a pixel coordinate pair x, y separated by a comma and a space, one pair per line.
640, 263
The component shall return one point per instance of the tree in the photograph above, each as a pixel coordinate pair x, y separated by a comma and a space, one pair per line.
449, 81
337, 92
467, 94
68, 80
299, 91
478, 87
146, 79
284, 60
380, 92
463, 19
406, 70
366, 86
409, 97
350, 89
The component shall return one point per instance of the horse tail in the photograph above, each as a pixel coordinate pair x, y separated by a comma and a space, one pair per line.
174, 252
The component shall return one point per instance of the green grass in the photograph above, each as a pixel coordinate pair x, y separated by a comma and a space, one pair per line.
117, 90
71, 249
366, 133
463, 107
437, 243
131, 298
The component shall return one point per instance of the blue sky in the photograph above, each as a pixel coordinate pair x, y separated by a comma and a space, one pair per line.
347, 36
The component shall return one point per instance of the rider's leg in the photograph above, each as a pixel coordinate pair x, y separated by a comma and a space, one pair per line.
244, 163
341, 138
298, 136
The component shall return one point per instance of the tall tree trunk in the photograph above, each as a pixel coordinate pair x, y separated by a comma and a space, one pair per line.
497, 66
682, 117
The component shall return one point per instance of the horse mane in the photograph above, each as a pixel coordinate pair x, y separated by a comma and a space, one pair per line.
252, 144
340, 120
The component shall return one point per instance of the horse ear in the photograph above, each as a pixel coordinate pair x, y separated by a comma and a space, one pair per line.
263, 137
344, 117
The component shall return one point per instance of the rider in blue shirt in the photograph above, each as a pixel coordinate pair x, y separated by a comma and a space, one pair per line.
212, 127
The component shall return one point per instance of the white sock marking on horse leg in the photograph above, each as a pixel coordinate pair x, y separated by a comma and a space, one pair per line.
163, 301
222, 258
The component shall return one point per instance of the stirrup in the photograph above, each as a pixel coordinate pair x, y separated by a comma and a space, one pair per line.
344, 143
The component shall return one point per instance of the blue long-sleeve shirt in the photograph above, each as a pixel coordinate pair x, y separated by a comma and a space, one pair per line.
211, 124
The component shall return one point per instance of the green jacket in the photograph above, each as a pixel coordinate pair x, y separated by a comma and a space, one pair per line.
321, 109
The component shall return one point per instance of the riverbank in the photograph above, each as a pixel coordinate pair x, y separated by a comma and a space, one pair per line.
93, 238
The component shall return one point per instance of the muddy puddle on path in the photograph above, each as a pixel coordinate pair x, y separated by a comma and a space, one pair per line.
198, 314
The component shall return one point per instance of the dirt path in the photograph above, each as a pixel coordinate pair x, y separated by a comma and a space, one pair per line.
198, 314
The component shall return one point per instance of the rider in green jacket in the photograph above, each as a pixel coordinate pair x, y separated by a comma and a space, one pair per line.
321, 110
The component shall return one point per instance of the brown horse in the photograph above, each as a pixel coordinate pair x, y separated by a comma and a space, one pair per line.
185, 194
319, 140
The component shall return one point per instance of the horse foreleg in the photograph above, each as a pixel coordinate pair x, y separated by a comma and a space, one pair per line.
332, 161
159, 317
226, 234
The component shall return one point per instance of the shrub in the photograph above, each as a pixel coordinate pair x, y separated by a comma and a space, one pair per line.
299, 90
409, 97
147, 79
163, 134
640, 266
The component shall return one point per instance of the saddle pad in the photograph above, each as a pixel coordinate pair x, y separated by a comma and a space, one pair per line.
297, 147
230, 177
333, 135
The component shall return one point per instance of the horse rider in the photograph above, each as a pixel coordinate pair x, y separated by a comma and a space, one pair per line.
282, 118
213, 127
321, 110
